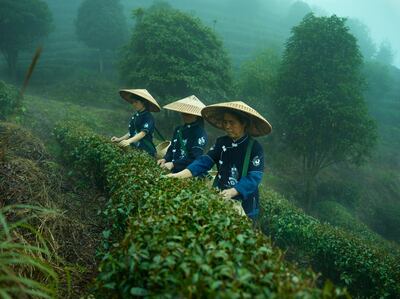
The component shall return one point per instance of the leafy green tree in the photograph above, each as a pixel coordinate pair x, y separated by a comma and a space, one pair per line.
256, 80
174, 55
101, 24
22, 23
379, 82
319, 102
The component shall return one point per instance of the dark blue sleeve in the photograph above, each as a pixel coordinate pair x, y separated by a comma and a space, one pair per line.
146, 124
168, 155
195, 148
201, 165
248, 185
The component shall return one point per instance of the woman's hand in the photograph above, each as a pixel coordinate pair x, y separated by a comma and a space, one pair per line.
168, 165
184, 174
124, 143
161, 162
229, 193
115, 139
171, 175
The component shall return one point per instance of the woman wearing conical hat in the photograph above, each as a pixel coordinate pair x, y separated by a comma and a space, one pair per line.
189, 140
141, 125
238, 156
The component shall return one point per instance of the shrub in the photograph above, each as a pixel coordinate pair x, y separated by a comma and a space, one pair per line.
387, 220
337, 215
368, 270
174, 238
9, 103
345, 193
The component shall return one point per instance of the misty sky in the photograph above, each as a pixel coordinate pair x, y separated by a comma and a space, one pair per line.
381, 16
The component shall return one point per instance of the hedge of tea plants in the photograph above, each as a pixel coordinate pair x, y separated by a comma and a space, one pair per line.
9, 103
347, 259
175, 238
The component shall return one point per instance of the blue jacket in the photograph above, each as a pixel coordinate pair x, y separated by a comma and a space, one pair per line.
194, 140
143, 122
229, 155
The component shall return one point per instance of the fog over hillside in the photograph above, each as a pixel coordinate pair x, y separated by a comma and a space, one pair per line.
381, 16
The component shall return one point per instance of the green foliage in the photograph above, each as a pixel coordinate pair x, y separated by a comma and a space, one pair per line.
345, 193
379, 82
162, 241
387, 220
22, 23
337, 215
256, 83
385, 54
101, 24
25, 268
43, 113
174, 55
9, 104
319, 101
86, 88
367, 269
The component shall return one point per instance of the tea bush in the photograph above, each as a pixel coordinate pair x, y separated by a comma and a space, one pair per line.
176, 238
337, 215
350, 260
8, 100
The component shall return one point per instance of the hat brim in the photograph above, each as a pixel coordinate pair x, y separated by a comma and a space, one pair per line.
189, 105
214, 114
127, 96
184, 108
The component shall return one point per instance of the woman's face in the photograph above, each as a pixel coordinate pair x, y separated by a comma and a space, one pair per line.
232, 126
188, 118
137, 105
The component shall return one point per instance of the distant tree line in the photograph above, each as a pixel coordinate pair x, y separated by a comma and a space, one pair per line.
313, 93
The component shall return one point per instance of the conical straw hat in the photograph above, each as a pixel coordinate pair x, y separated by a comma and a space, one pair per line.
126, 94
258, 126
189, 105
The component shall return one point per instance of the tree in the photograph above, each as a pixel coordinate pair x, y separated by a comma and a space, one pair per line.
379, 82
101, 25
22, 23
257, 78
363, 36
323, 116
174, 55
385, 53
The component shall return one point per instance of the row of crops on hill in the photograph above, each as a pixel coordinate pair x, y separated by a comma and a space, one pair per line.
177, 238
368, 269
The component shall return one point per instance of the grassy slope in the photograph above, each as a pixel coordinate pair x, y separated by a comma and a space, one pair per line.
42, 114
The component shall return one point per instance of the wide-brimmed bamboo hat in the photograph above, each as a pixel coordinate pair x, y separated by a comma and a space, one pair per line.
143, 94
189, 105
258, 126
